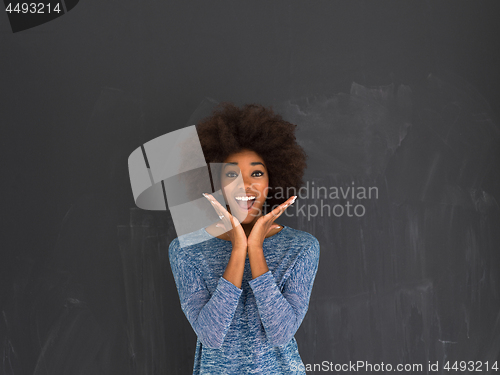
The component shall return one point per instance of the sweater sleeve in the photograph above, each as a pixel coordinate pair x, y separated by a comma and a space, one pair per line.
209, 315
282, 313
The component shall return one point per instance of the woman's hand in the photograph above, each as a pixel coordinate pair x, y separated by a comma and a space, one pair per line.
264, 224
236, 233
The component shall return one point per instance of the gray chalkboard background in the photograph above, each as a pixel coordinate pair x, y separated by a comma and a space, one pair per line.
398, 96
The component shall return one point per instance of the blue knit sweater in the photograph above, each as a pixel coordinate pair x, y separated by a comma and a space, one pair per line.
249, 330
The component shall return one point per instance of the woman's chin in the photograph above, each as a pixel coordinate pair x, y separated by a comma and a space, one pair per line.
243, 216
244, 219
247, 220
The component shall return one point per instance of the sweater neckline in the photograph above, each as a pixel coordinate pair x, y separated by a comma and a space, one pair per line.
267, 238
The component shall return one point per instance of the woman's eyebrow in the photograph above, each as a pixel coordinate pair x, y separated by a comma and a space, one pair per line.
253, 163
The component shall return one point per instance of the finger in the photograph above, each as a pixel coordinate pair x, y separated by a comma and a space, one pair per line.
215, 204
229, 220
222, 209
276, 226
277, 212
274, 214
218, 209
225, 217
233, 221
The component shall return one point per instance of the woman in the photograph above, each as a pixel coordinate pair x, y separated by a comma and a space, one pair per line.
245, 283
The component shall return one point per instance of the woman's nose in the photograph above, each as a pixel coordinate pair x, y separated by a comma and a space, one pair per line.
244, 184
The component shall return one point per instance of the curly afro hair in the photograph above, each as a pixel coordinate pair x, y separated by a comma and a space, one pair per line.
254, 127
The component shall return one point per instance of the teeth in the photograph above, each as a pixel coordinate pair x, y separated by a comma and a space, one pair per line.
244, 198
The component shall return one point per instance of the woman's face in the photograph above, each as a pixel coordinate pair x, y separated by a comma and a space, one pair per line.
245, 195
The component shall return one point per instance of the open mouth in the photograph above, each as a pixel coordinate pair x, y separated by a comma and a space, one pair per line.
245, 202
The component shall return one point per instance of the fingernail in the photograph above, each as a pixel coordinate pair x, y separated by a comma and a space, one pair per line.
293, 200
208, 197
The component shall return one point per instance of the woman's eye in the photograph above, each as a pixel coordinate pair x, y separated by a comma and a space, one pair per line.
254, 174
